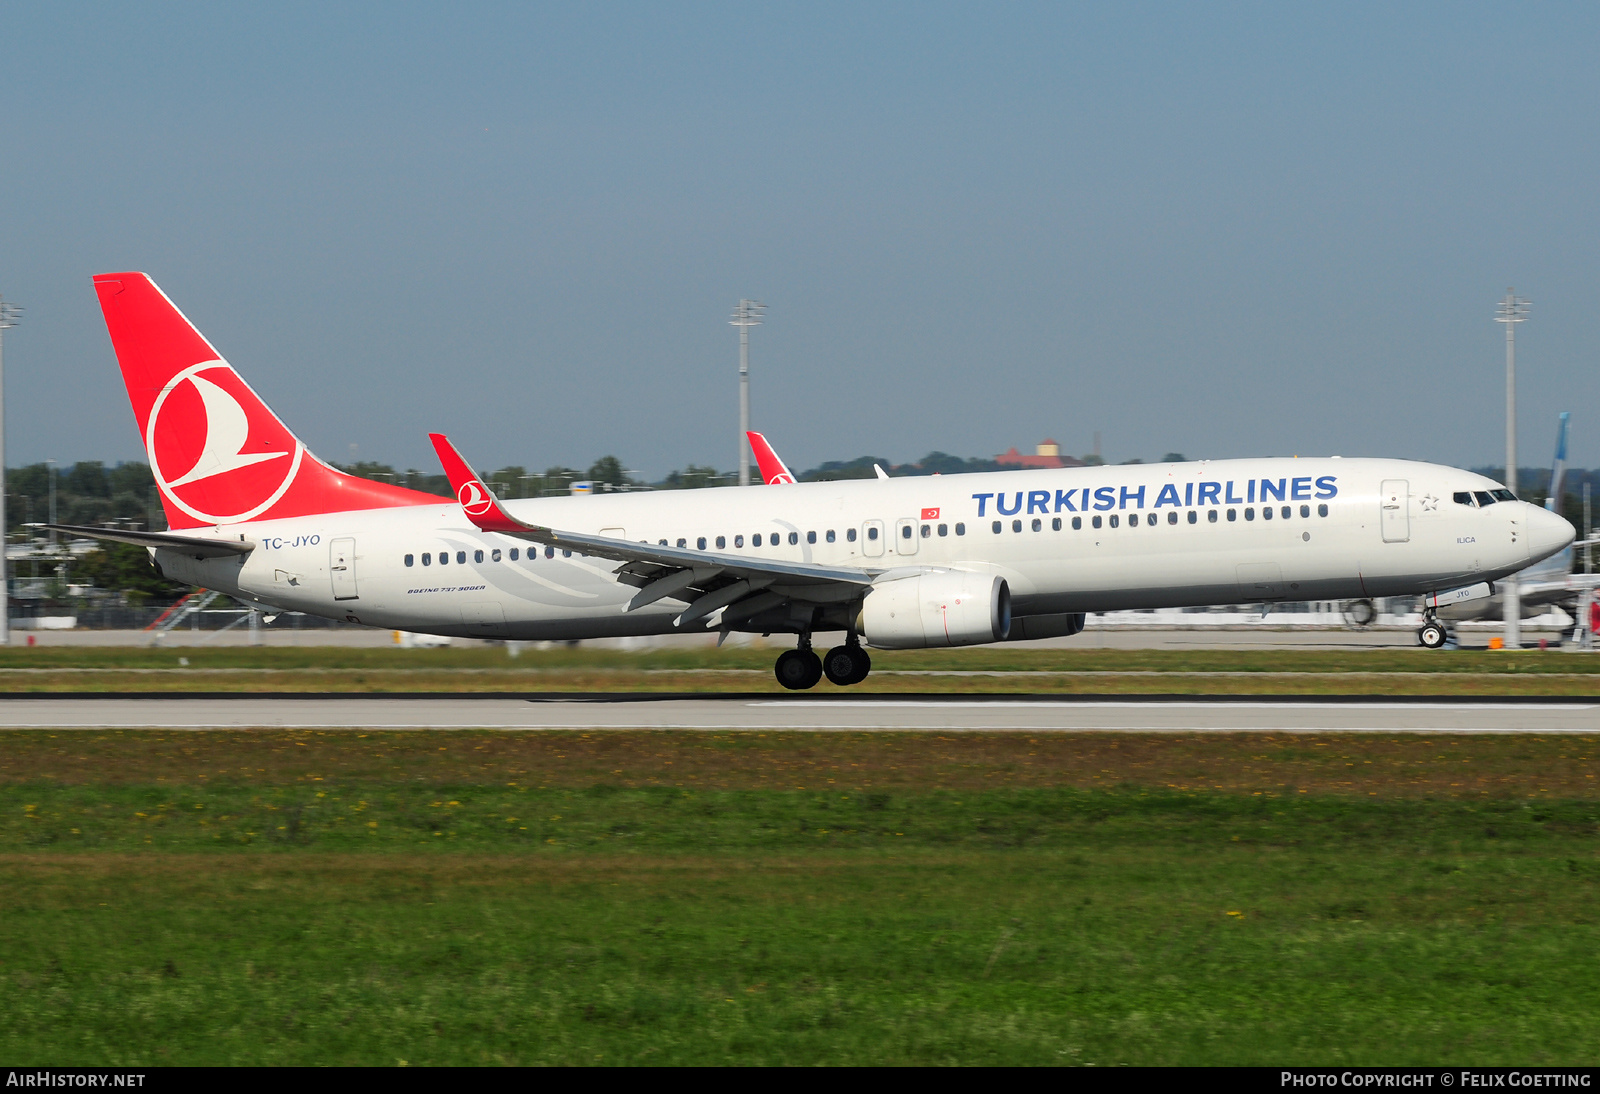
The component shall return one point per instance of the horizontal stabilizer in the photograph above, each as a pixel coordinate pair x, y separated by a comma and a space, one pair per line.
195, 546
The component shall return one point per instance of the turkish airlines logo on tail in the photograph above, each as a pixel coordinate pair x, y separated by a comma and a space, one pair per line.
474, 498
780, 477
216, 451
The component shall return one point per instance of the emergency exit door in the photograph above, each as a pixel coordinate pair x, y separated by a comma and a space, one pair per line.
1396, 511
905, 536
342, 565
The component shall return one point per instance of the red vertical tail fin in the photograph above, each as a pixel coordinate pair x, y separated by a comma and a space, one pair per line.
219, 454
774, 471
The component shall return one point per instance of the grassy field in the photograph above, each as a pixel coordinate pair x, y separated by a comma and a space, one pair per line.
988, 669
346, 897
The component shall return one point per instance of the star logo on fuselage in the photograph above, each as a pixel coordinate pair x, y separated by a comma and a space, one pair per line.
1429, 502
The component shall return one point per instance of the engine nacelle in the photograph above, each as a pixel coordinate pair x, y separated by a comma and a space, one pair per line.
952, 608
1028, 627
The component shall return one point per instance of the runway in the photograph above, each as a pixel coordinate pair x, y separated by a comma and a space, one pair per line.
777, 713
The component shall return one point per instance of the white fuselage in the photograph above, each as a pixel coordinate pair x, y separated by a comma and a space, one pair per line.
1146, 536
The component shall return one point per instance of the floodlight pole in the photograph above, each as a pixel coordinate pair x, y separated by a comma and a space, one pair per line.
1512, 310
745, 316
10, 315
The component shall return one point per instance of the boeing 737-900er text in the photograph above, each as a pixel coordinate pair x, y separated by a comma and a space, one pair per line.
900, 563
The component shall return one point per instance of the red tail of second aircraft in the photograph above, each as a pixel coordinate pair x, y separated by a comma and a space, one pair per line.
219, 454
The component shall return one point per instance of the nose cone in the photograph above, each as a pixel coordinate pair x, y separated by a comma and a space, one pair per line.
1547, 533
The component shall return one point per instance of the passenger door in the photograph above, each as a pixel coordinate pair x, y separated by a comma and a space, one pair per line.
342, 567
1396, 511
872, 538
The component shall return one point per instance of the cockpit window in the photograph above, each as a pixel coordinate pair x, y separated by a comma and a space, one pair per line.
1484, 497
1462, 497
1504, 495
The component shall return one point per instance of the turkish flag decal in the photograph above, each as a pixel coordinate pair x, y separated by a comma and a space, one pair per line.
930, 514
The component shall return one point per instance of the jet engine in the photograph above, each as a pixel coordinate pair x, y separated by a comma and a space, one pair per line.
941, 608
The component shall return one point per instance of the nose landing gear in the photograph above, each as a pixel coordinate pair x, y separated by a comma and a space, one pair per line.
1432, 634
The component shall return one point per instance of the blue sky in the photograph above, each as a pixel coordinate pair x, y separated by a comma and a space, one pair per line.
1224, 230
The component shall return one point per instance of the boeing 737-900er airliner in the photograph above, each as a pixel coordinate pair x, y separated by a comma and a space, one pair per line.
901, 563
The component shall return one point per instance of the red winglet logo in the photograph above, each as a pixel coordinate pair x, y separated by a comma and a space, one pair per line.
477, 500
773, 471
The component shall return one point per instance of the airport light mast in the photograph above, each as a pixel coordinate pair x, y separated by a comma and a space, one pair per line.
10, 316
745, 316
1512, 310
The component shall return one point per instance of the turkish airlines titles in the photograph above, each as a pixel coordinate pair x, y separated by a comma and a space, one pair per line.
1085, 499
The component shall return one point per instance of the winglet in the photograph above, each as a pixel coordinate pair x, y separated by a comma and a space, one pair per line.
773, 471
477, 500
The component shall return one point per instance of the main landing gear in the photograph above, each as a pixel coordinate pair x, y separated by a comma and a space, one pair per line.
847, 664
1432, 634
799, 669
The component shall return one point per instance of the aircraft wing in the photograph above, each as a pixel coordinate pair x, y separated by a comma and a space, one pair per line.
773, 470
709, 581
194, 546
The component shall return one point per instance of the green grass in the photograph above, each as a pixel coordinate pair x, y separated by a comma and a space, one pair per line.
314, 898
1067, 671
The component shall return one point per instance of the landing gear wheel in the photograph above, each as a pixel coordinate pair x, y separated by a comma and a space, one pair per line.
798, 670
846, 665
1432, 635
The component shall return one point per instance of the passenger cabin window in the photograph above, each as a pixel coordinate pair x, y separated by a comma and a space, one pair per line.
683, 542
461, 557
944, 529
1133, 520
1038, 525
905, 531
755, 540
444, 558
1305, 510
701, 543
477, 556
1077, 523
997, 528
1095, 522
1211, 515
1233, 514
1016, 526
516, 552
494, 556
722, 541
427, 558
1193, 516
1055, 524
1266, 512
961, 529
1249, 514
872, 533
811, 537
1285, 512
927, 530
829, 535
410, 560
738, 541
1114, 521
549, 552
850, 534
1172, 517
794, 538
1462, 497
1322, 510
